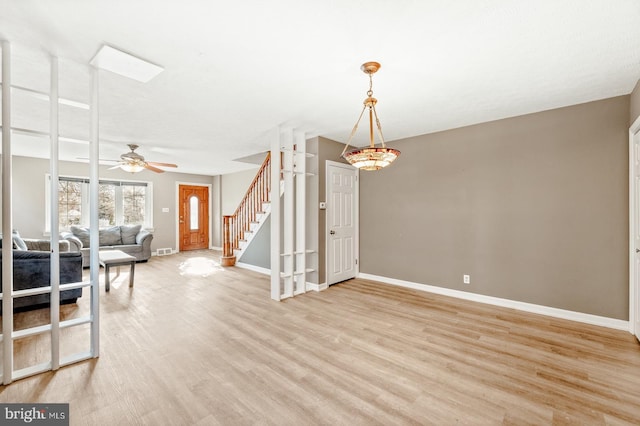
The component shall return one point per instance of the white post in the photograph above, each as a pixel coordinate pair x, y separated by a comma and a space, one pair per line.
7, 219
301, 201
54, 307
275, 215
289, 214
93, 216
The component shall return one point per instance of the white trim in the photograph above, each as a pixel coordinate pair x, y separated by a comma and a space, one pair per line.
215, 248
253, 268
633, 129
118, 200
265, 271
506, 303
177, 210
317, 287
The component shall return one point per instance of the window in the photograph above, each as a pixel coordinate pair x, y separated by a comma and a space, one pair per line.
193, 209
120, 202
134, 203
69, 203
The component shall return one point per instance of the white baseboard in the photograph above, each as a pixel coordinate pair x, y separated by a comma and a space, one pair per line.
215, 248
265, 271
254, 268
317, 287
506, 303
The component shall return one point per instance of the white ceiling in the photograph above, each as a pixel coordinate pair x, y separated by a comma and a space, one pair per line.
235, 70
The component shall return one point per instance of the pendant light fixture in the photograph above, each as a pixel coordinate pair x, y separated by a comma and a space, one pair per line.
372, 157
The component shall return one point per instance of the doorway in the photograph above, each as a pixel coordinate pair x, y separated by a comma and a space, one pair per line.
342, 222
193, 217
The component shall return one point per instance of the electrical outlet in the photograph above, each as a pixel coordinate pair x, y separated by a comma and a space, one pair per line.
466, 279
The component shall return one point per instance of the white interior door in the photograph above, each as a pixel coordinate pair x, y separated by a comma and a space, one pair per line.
342, 227
634, 198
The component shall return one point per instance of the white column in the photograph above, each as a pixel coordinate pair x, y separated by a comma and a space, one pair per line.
55, 247
300, 220
93, 216
7, 219
289, 213
275, 215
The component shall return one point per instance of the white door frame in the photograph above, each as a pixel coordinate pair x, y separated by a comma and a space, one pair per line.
356, 207
633, 286
177, 212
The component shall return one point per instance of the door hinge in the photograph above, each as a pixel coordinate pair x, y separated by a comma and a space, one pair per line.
356, 261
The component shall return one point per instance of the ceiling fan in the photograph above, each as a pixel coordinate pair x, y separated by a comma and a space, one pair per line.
134, 162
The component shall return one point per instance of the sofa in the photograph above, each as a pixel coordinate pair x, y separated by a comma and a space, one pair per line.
31, 269
131, 239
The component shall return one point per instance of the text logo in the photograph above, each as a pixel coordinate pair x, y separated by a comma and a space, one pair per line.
34, 414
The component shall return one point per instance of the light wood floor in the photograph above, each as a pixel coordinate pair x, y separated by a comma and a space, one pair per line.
209, 347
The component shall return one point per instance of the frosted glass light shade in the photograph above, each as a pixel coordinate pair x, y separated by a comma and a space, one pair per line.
371, 158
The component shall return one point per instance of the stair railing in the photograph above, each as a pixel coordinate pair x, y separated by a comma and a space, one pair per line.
237, 224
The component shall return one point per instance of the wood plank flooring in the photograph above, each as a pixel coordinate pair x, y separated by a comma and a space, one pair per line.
195, 345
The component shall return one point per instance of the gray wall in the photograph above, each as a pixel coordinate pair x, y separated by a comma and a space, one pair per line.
634, 104
29, 195
234, 187
259, 251
534, 208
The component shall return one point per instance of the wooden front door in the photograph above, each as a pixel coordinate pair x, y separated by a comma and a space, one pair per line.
194, 217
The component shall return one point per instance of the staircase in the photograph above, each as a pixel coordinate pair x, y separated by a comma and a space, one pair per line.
242, 226
283, 174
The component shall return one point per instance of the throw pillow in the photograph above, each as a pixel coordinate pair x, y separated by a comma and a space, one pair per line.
18, 242
81, 233
129, 232
110, 236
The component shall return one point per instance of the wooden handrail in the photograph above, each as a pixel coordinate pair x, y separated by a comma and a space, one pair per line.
235, 225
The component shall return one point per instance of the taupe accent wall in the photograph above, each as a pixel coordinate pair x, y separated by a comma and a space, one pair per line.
634, 104
534, 208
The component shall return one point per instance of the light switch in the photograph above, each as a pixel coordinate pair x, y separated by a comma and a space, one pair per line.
165, 210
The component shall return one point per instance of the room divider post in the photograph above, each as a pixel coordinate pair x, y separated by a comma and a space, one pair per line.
7, 219
94, 151
288, 271
54, 276
275, 214
300, 167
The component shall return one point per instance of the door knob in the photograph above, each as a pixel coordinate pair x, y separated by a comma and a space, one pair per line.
332, 232
637, 250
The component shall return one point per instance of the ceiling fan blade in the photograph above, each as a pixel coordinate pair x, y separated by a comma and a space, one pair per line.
153, 169
153, 163
117, 166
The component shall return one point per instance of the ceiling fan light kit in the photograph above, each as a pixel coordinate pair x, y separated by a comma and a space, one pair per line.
133, 162
372, 157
